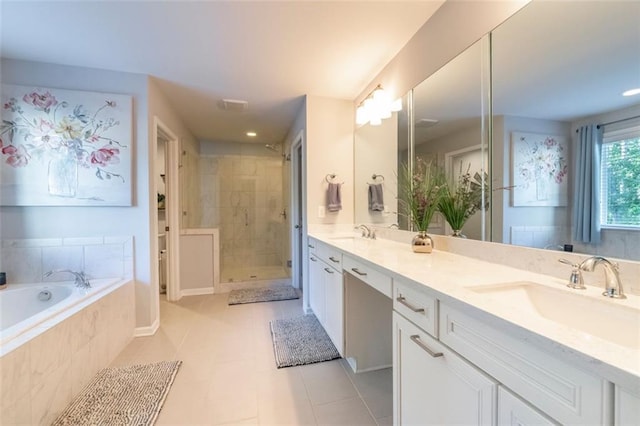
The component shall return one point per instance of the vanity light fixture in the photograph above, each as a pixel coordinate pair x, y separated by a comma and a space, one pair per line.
252, 134
376, 107
631, 92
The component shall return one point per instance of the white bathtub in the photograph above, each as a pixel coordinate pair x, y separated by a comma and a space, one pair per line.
23, 315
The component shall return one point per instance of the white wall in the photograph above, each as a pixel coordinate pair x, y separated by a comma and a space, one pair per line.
455, 26
55, 222
329, 132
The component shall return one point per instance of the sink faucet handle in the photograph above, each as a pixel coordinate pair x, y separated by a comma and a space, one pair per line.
575, 280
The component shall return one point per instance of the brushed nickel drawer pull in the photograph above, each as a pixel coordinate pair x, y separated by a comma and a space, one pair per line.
403, 300
417, 341
334, 260
328, 270
313, 259
363, 274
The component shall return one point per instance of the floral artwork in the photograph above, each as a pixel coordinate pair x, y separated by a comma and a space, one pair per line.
64, 148
540, 166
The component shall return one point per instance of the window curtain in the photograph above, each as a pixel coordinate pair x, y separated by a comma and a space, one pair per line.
586, 191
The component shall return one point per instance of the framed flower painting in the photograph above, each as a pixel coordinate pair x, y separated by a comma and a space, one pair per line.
65, 148
539, 170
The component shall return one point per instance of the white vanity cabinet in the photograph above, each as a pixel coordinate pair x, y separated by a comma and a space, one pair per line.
512, 411
326, 290
435, 386
627, 408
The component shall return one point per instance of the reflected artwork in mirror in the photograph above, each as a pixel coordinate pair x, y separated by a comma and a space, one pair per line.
560, 79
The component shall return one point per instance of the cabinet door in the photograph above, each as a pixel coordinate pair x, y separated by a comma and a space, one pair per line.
334, 322
316, 287
433, 385
513, 411
627, 408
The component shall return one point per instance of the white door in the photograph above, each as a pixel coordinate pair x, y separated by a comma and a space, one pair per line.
512, 411
433, 385
333, 297
316, 287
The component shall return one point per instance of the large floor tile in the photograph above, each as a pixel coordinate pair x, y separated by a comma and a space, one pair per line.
327, 382
350, 412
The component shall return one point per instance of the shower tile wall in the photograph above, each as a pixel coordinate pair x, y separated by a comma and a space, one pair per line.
242, 196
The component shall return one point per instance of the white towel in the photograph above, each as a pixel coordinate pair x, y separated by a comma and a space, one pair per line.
376, 200
334, 197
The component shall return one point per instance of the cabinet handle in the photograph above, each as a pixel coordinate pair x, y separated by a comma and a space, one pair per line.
403, 300
363, 274
328, 270
334, 260
311, 246
313, 259
417, 341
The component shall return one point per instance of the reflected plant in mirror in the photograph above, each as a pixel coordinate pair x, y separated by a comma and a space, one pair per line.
462, 198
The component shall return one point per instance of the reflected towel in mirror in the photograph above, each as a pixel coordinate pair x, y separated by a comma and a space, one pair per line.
376, 199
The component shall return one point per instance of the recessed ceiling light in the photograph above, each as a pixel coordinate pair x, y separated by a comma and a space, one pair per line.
632, 92
252, 134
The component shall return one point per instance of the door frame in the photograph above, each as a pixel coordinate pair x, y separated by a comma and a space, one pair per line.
172, 212
298, 196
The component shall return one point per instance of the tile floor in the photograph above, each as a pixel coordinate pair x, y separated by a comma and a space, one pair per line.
228, 375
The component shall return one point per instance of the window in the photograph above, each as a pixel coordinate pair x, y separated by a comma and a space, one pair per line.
620, 178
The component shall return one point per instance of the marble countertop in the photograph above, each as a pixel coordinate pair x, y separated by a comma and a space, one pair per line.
453, 277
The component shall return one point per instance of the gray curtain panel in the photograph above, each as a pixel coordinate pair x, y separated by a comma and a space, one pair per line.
586, 190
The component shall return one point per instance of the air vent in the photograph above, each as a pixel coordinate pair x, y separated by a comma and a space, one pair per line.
426, 122
233, 105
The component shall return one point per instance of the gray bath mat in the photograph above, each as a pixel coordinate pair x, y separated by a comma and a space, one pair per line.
122, 396
265, 294
300, 341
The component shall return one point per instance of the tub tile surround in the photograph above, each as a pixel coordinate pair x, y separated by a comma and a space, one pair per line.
458, 264
39, 378
25, 260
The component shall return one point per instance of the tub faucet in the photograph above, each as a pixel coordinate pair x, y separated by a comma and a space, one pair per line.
81, 279
613, 285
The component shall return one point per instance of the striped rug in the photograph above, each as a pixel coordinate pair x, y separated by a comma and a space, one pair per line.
300, 341
122, 396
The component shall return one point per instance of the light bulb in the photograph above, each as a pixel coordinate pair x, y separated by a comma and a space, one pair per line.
361, 115
396, 105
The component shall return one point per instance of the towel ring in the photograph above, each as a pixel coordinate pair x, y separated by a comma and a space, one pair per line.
374, 177
330, 177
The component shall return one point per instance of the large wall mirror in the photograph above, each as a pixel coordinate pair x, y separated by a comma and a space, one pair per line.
558, 66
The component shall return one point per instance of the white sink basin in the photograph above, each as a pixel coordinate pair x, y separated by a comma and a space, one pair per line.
344, 237
597, 317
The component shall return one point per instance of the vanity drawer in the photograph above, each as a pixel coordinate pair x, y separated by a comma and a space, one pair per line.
330, 255
312, 244
557, 388
369, 275
417, 306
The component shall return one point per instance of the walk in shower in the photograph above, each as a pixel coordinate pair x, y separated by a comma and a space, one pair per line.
242, 196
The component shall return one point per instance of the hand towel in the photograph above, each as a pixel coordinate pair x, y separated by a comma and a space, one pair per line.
376, 200
334, 197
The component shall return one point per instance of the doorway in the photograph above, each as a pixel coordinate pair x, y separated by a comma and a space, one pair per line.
165, 230
298, 222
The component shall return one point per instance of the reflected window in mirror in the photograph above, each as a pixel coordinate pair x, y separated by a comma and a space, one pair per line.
550, 84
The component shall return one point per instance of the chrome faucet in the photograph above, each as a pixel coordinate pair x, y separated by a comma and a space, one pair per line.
81, 280
366, 231
575, 280
613, 286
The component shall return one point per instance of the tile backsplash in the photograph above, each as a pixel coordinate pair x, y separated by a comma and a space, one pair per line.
26, 260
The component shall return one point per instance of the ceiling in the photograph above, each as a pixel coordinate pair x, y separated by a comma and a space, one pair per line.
552, 60
268, 53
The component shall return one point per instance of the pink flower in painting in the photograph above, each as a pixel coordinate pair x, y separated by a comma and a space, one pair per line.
44, 132
15, 158
105, 155
42, 102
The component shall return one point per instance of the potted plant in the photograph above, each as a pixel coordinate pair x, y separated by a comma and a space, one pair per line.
462, 199
421, 190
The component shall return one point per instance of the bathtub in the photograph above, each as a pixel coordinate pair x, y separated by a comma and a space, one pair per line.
26, 310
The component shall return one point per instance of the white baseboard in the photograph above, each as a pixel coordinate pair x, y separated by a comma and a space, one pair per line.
196, 291
148, 330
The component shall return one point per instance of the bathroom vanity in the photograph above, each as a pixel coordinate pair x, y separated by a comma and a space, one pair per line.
473, 342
